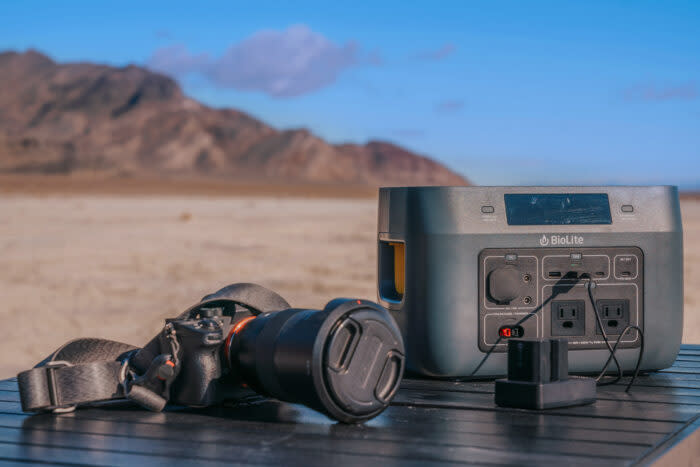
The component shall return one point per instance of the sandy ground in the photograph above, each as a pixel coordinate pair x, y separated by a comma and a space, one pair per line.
116, 266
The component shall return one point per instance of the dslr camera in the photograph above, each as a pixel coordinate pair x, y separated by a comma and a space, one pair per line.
345, 360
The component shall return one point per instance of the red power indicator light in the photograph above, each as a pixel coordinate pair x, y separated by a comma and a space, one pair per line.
511, 331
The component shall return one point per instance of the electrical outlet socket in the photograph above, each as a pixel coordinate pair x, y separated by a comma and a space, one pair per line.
615, 315
568, 318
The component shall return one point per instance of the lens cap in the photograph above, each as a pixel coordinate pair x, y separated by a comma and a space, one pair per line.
346, 360
363, 362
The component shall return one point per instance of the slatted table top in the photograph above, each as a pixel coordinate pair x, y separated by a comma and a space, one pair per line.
430, 422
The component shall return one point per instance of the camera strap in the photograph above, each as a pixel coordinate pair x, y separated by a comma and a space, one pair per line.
79, 372
92, 370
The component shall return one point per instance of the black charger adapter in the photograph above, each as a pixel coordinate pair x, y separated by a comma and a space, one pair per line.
538, 377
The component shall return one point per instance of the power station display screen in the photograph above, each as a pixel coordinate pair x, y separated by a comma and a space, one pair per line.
557, 209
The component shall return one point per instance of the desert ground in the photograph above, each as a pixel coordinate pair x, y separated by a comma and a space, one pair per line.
114, 265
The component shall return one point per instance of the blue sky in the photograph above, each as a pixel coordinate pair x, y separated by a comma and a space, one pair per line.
505, 92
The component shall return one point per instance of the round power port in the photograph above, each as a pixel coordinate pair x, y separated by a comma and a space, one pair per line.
504, 284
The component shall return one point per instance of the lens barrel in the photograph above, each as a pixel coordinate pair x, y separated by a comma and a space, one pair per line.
346, 360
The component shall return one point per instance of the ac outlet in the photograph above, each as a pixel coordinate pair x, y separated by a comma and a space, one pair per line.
568, 318
615, 315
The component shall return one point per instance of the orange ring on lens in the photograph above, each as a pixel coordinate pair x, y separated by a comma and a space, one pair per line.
232, 333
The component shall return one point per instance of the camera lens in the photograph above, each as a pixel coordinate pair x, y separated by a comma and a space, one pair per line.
345, 360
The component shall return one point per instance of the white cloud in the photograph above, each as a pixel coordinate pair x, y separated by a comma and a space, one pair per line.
285, 63
651, 92
449, 106
440, 53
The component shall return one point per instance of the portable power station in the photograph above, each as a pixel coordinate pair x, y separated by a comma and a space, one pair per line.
460, 267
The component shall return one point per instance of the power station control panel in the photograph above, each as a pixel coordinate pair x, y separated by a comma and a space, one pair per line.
544, 286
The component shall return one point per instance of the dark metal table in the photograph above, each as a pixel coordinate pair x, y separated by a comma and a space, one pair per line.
430, 422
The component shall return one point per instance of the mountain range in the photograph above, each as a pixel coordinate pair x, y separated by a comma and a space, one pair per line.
84, 117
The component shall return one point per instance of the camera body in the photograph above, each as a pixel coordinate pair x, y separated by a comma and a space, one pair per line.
204, 378
459, 267
345, 360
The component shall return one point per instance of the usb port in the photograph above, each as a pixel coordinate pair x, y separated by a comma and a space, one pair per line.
625, 274
554, 274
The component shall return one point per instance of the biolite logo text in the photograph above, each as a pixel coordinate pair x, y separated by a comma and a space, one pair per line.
561, 240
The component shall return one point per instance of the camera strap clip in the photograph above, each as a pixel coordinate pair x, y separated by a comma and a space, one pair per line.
54, 398
151, 390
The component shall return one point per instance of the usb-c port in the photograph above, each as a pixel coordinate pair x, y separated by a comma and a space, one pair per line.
554, 274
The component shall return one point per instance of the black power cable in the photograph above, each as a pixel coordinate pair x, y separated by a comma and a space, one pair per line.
500, 338
563, 285
590, 285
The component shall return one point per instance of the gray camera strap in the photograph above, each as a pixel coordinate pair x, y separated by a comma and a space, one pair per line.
85, 371
92, 370
79, 372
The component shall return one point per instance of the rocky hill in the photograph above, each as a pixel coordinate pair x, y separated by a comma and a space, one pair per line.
78, 117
